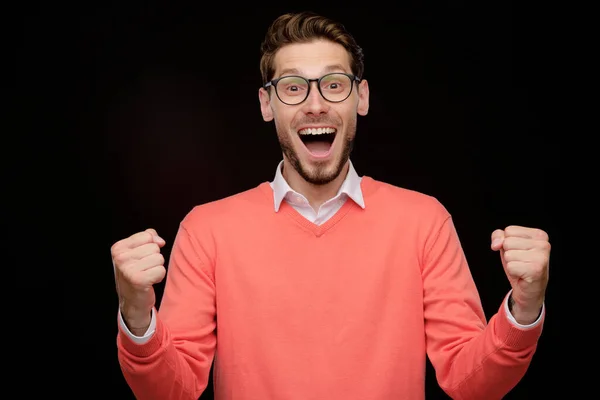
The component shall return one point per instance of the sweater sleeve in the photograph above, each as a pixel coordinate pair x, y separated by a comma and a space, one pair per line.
472, 359
175, 362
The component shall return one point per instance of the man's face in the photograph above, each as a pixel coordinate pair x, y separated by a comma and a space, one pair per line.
316, 136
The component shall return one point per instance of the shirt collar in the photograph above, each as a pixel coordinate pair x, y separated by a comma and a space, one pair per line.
350, 187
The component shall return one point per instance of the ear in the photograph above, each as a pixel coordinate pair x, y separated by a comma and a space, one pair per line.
363, 98
265, 104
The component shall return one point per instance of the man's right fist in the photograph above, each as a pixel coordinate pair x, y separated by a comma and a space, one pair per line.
138, 265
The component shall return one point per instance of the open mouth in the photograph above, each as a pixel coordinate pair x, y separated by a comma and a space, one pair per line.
318, 141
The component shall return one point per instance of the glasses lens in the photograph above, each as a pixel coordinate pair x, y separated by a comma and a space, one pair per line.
336, 87
292, 89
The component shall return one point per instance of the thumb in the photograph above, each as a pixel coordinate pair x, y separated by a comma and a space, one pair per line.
498, 243
155, 238
497, 239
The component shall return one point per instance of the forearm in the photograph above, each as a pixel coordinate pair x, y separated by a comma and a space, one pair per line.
492, 363
158, 369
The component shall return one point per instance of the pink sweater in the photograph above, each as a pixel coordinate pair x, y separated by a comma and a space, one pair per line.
346, 310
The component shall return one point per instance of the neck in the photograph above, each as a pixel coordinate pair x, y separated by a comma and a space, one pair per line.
315, 194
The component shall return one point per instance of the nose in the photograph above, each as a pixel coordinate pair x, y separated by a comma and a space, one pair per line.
315, 103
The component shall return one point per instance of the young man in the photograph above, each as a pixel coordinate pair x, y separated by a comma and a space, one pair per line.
322, 284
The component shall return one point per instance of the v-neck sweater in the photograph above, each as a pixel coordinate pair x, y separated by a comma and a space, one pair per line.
291, 310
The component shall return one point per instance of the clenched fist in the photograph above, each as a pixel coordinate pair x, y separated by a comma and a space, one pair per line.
138, 265
525, 254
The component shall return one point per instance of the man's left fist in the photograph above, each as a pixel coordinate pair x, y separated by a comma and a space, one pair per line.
525, 253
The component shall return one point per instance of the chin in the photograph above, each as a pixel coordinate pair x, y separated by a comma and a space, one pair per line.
318, 154
320, 172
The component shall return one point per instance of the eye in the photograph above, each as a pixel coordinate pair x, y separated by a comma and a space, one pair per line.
291, 85
332, 85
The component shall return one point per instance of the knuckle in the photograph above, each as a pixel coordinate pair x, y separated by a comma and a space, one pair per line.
120, 258
538, 270
158, 258
116, 247
128, 276
542, 269
138, 280
541, 234
543, 261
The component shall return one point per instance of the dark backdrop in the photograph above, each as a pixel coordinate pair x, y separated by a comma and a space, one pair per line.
141, 112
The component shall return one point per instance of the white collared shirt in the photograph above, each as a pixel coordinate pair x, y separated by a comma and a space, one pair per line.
350, 189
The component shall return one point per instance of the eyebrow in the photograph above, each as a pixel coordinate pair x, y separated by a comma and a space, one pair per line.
329, 68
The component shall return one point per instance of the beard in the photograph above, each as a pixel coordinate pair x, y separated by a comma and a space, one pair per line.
320, 174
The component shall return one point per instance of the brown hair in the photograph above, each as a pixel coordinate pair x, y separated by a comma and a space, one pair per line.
301, 28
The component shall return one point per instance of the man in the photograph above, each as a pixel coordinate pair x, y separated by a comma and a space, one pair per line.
322, 284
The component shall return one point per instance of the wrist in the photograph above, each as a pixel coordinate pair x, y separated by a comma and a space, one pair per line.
136, 320
525, 314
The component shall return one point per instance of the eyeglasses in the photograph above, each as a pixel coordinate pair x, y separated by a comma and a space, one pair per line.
293, 90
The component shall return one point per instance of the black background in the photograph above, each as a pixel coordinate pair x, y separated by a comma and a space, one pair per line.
139, 112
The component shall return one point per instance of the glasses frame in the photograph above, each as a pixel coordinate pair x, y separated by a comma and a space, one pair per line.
273, 83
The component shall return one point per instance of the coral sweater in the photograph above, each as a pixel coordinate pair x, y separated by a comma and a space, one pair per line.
346, 310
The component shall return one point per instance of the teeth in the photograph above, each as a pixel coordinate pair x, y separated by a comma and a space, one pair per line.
316, 131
